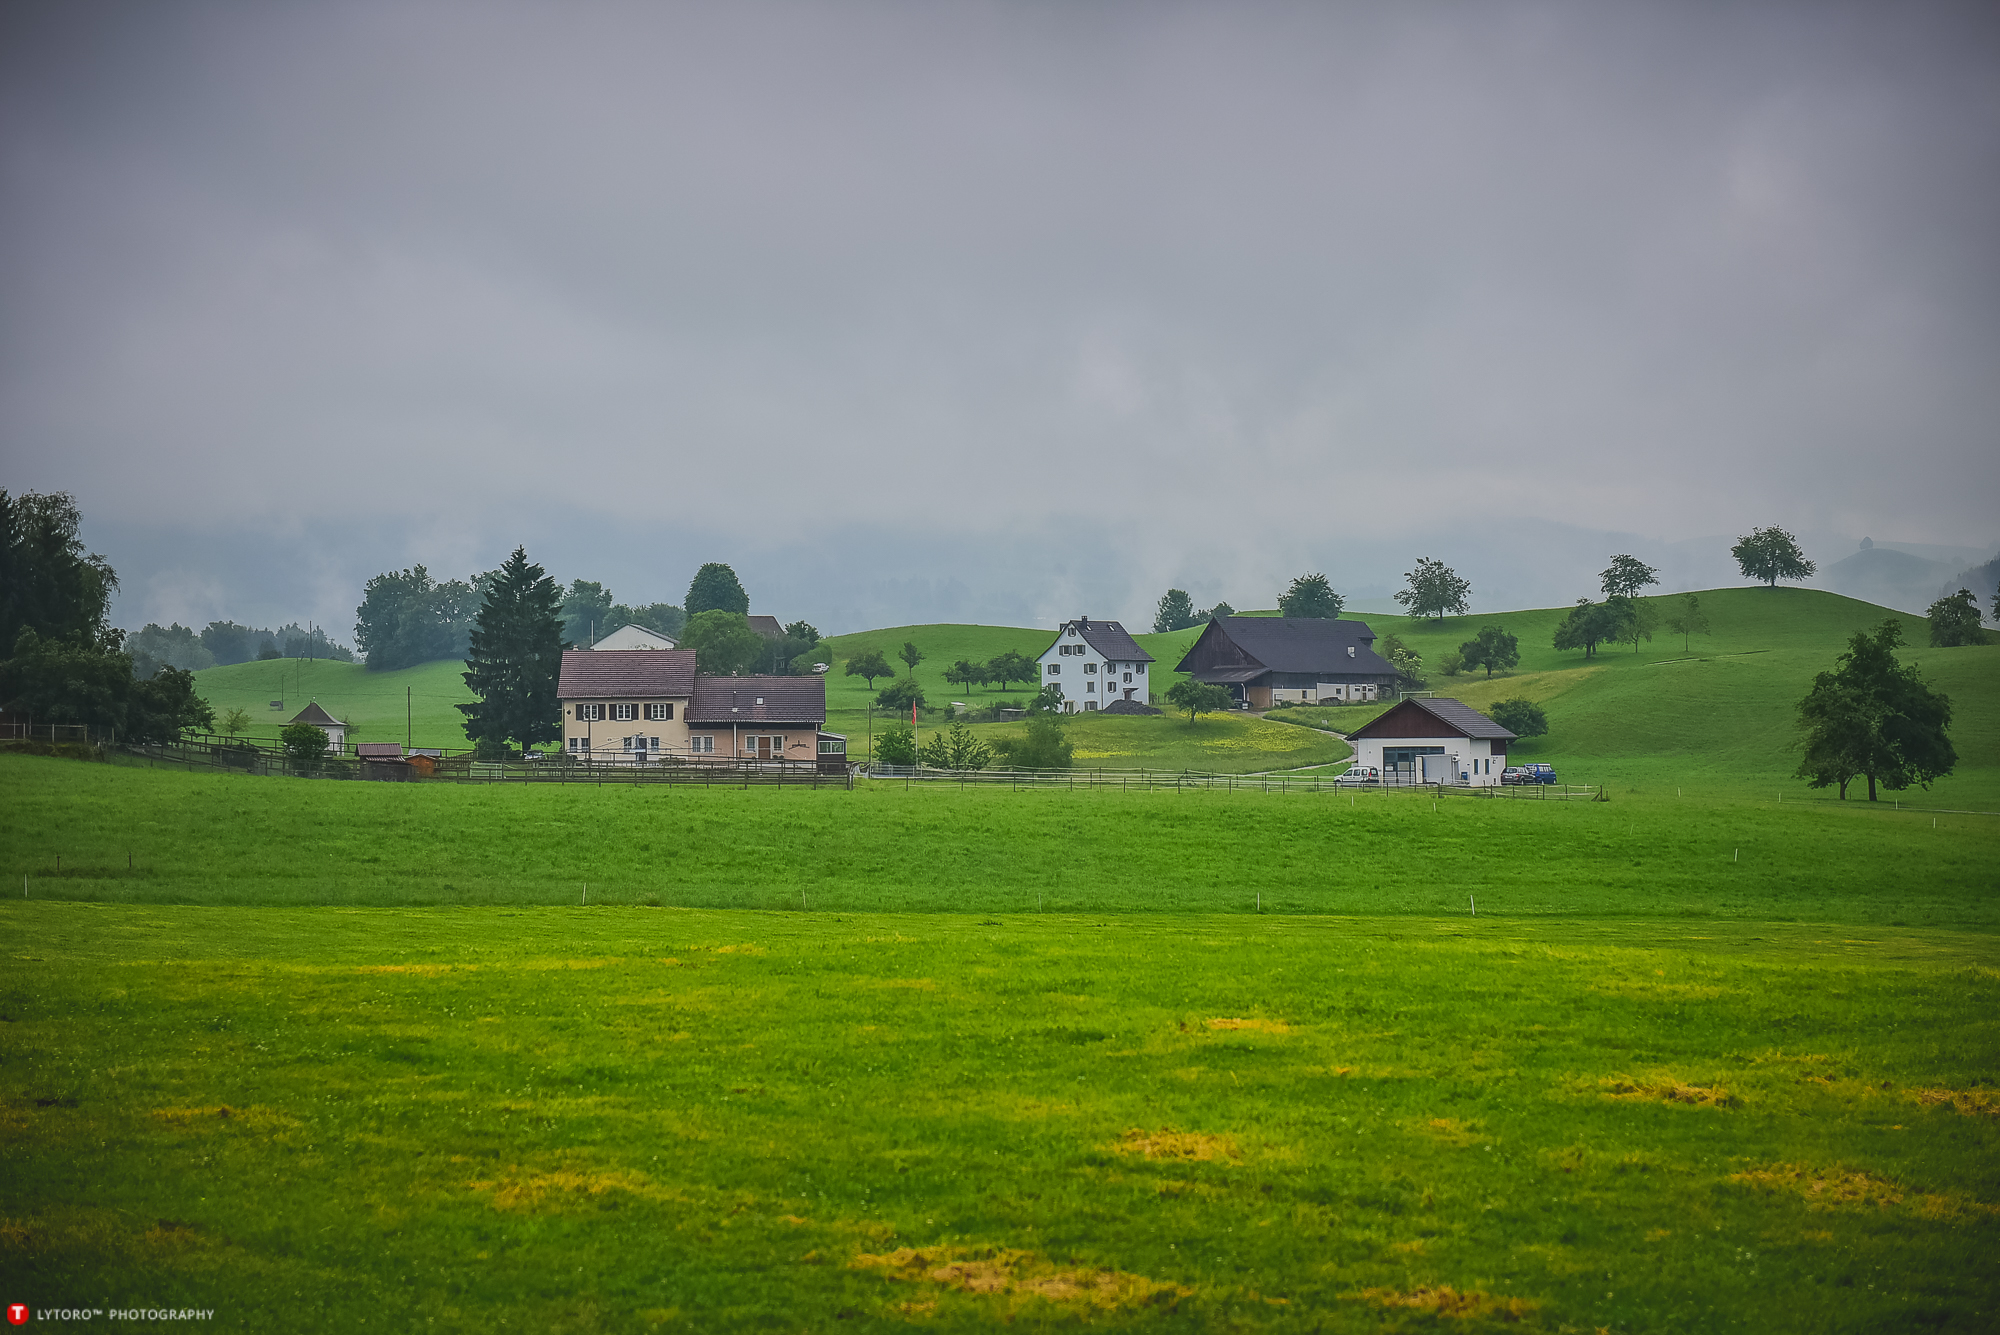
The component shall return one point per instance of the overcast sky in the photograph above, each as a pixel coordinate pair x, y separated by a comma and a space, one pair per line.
993, 312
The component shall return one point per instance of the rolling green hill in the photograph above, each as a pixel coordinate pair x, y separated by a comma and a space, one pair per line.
1716, 711
379, 705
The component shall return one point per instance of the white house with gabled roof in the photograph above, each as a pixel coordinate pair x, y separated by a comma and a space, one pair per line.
1095, 663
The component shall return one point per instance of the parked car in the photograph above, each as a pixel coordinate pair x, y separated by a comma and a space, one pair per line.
1515, 775
1357, 776
1541, 773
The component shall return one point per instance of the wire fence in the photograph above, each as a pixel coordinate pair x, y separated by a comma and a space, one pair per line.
1186, 780
234, 755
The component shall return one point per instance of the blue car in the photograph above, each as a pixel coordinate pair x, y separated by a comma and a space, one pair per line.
1540, 773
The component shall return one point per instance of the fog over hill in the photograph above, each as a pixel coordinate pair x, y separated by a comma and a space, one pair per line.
995, 312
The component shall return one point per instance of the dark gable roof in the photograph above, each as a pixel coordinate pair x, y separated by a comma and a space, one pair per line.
768, 627
1307, 644
1456, 719
318, 717
605, 674
734, 700
1107, 637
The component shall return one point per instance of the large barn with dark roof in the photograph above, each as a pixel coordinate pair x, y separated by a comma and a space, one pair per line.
1296, 660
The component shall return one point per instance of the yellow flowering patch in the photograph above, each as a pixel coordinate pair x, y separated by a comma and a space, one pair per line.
1259, 1025
1970, 1102
1824, 1188
1446, 1301
1670, 1089
1183, 1146
1017, 1276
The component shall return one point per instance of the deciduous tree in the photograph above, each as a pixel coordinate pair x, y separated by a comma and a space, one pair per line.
723, 643
1492, 648
1435, 589
1011, 667
1523, 718
515, 658
1199, 697
959, 749
1408, 663
1955, 621
1874, 717
1311, 596
1626, 576
1771, 554
1591, 624
897, 745
48, 581
1175, 612
868, 665
1215, 613
588, 613
911, 655
899, 695
1044, 746
406, 618
164, 705
66, 681
302, 741
1686, 619
715, 588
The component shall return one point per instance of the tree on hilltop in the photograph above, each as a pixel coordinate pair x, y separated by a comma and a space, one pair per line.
1626, 576
715, 588
1435, 589
1686, 619
911, 655
1955, 621
1215, 613
514, 659
1771, 554
1591, 624
1311, 596
1175, 612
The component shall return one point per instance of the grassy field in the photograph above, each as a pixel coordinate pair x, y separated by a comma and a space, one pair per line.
616, 1119
1710, 1056
1715, 714
374, 703
138, 835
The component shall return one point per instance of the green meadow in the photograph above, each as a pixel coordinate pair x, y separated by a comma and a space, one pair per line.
1719, 1053
616, 1118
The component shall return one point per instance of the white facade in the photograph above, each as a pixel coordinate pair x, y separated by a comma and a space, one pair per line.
1464, 760
634, 637
1089, 680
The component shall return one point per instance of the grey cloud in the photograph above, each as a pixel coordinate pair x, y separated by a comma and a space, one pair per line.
998, 306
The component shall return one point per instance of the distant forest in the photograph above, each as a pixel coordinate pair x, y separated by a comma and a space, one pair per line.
221, 643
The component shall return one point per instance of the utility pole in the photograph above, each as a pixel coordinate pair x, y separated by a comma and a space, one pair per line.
409, 719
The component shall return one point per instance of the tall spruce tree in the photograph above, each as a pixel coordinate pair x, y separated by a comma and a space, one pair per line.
515, 656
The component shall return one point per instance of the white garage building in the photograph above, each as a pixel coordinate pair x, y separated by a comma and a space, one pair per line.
1433, 741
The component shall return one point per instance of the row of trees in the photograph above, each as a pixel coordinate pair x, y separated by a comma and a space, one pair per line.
67, 664
222, 643
1043, 747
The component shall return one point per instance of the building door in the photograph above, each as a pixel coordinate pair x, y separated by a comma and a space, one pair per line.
764, 748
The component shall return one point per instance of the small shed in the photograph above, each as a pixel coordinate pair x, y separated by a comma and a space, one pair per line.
335, 730
1433, 741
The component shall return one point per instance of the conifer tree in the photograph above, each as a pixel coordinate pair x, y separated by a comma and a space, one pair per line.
515, 657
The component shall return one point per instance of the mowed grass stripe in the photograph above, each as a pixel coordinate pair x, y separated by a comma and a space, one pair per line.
230, 839
707, 1120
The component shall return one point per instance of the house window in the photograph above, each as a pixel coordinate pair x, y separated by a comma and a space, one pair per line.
576, 744
1090, 686
1128, 676
589, 713
701, 746
1090, 704
655, 712
1055, 669
624, 713
1139, 668
1089, 668
829, 747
